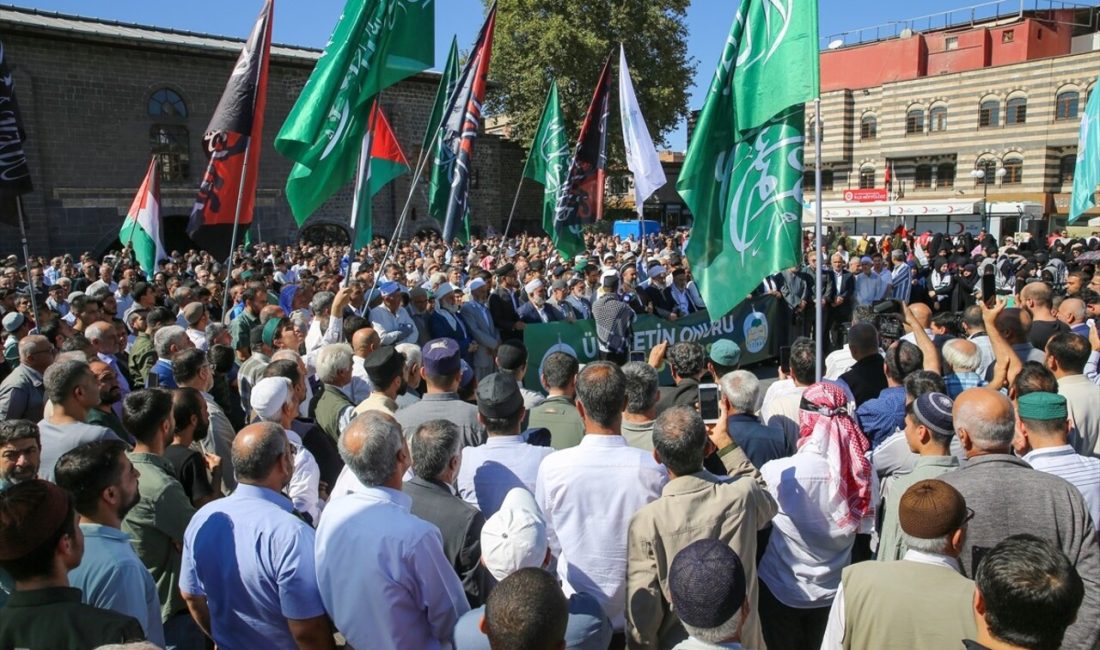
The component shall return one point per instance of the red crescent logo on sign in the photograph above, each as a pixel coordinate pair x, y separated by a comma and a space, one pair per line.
849, 195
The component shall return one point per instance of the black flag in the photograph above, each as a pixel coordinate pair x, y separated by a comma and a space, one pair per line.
15, 175
581, 199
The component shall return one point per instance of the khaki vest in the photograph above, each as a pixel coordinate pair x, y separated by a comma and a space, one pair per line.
906, 605
329, 406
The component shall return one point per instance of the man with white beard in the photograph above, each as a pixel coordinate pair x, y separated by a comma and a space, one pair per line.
446, 323
663, 304
536, 309
478, 320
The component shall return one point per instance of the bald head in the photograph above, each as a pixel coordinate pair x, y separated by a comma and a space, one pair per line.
985, 422
365, 341
962, 355
922, 313
258, 451
1072, 311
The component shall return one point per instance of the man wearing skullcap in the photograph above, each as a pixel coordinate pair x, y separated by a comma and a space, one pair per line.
708, 589
929, 431
386, 369
39, 544
275, 400
890, 604
1010, 497
1042, 440
537, 309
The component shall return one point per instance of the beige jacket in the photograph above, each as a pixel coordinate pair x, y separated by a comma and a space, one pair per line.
694, 507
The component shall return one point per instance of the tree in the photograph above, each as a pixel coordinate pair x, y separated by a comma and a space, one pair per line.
569, 40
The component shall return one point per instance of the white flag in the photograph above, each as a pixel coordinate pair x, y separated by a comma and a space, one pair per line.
641, 155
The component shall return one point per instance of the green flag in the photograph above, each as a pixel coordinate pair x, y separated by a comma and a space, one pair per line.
742, 175
439, 178
1086, 174
442, 94
548, 164
375, 44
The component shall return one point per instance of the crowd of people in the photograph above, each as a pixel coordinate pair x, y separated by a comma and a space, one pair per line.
343, 451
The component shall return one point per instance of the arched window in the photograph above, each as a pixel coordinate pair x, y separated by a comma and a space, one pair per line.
166, 102
868, 128
169, 139
1065, 106
812, 130
171, 145
866, 178
1014, 170
989, 166
937, 118
1067, 165
945, 175
989, 113
1016, 111
922, 180
914, 121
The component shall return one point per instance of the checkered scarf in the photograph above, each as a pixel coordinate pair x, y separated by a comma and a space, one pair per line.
827, 428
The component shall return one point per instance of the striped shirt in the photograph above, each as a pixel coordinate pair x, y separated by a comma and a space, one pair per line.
902, 282
1081, 471
960, 381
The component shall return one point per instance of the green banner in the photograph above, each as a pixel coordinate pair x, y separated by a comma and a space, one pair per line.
750, 324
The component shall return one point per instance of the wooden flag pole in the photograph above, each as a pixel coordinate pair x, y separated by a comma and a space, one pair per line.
512, 212
236, 225
27, 258
362, 177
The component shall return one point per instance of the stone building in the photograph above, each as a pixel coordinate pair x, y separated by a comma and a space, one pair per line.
98, 98
936, 99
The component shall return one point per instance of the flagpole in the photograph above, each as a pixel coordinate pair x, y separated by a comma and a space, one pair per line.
27, 258
236, 225
819, 315
511, 212
362, 176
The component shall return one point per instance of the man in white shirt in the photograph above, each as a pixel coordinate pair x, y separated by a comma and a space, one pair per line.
274, 400
590, 492
363, 343
888, 604
383, 575
1042, 440
779, 409
391, 320
505, 461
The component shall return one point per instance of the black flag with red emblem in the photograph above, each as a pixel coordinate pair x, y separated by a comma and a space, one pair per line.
232, 141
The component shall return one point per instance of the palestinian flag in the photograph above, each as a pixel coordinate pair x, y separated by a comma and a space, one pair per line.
386, 163
141, 230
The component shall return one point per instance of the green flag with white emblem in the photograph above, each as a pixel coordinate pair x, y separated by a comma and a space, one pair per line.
1086, 174
548, 164
375, 44
742, 175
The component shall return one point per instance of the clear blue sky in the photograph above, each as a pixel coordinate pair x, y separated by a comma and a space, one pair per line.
309, 22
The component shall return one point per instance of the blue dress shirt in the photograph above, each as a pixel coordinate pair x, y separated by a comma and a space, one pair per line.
111, 576
253, 560
879, 417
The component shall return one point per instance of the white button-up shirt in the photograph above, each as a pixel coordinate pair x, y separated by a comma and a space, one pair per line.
394, 328
807, 550
1082, 471
383, 576
588, 494
489, 471
361, 387
306, 480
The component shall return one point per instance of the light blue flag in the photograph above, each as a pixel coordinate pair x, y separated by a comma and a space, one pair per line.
1086, 174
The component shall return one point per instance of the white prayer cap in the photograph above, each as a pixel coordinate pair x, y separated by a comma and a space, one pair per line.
532, 286
474, 285
268, 397
444, 289
514, 537
656, 270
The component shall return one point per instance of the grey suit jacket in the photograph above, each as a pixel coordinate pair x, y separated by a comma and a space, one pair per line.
485, 333
460, 524
22, 396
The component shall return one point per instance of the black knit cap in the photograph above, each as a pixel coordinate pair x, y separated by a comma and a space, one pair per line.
707, 583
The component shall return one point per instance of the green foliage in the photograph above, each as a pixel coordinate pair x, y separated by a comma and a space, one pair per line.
569, 40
